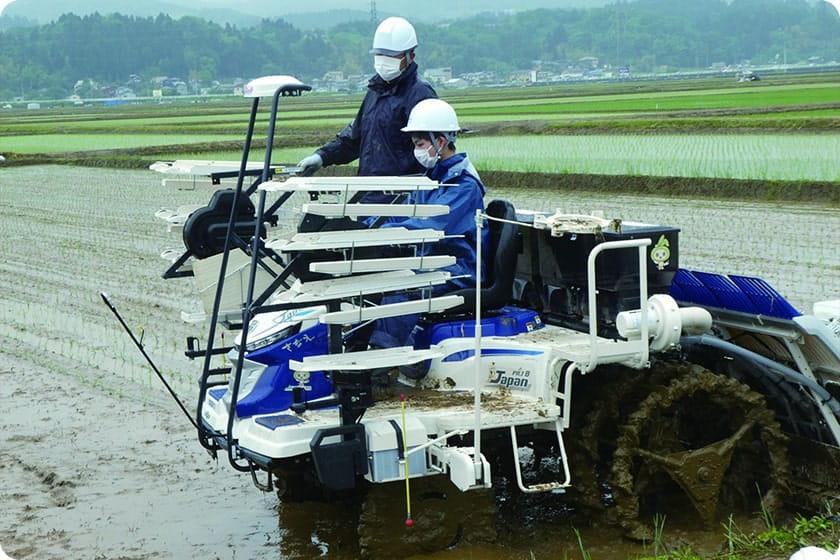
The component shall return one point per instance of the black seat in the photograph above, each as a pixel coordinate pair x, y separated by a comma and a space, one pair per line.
499, 263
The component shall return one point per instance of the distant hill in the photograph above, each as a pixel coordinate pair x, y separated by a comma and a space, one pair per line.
45, 11
97, 55
300, 14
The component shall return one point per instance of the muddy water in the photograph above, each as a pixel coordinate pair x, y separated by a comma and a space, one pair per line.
551, 531
104, 465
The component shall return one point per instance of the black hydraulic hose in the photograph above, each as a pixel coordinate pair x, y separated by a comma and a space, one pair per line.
782, 370
140, 347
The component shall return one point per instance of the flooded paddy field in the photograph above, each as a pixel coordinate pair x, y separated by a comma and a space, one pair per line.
96, 461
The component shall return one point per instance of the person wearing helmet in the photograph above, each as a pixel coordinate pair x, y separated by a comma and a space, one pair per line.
374, 137
433, 126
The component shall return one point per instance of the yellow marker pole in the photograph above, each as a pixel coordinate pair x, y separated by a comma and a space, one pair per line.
409, 522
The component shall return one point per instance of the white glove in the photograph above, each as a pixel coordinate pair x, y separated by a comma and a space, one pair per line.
310, 164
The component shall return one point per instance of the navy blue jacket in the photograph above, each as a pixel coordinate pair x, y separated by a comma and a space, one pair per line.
374, 136
464, 195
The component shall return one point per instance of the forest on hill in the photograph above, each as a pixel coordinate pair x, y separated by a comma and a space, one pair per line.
306, 15
47, 61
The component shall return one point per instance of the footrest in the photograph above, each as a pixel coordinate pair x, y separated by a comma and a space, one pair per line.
543, 486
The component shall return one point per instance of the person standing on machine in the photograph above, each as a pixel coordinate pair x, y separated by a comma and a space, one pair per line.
375, 136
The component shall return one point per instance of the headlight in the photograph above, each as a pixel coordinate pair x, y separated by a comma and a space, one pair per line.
271, 338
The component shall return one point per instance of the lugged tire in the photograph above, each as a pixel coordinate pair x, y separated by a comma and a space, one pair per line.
688, 420
593, 433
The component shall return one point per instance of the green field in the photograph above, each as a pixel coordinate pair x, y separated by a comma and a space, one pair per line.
735, 156
774, 157
58, 143
764, 103
784, 129
730, 98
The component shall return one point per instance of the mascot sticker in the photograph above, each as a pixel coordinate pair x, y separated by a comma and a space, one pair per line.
661, 253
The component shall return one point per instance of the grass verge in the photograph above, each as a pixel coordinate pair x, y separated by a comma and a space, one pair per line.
775, 542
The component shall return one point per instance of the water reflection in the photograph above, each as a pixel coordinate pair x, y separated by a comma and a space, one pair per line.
317, 530
312, 530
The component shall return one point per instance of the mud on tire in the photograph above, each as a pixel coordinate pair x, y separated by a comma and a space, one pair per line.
704, 446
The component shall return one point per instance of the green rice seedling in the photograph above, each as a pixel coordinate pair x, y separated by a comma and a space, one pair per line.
658, 531
765, 513
584, 554
764, 157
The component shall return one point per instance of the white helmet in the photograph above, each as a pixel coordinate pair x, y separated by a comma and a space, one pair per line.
394, 36
432, 115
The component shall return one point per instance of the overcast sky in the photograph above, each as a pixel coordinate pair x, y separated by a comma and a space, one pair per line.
296, 6
4, 3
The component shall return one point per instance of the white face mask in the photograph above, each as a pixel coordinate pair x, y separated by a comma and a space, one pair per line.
387, 67
423, 157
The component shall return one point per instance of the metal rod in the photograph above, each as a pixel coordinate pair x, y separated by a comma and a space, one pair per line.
247, 315
592, 292
269, 142
139, 346
479, 222
408, 521
432, 442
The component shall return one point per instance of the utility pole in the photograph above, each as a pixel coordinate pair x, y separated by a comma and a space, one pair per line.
374, 20
619, 30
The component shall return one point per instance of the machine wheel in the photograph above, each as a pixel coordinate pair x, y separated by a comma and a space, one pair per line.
696, 450
443, 518
296, 486
618, 391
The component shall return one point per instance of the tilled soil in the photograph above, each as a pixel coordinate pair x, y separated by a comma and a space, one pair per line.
87, 474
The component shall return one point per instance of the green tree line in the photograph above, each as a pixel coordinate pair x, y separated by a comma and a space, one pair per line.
646, 35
